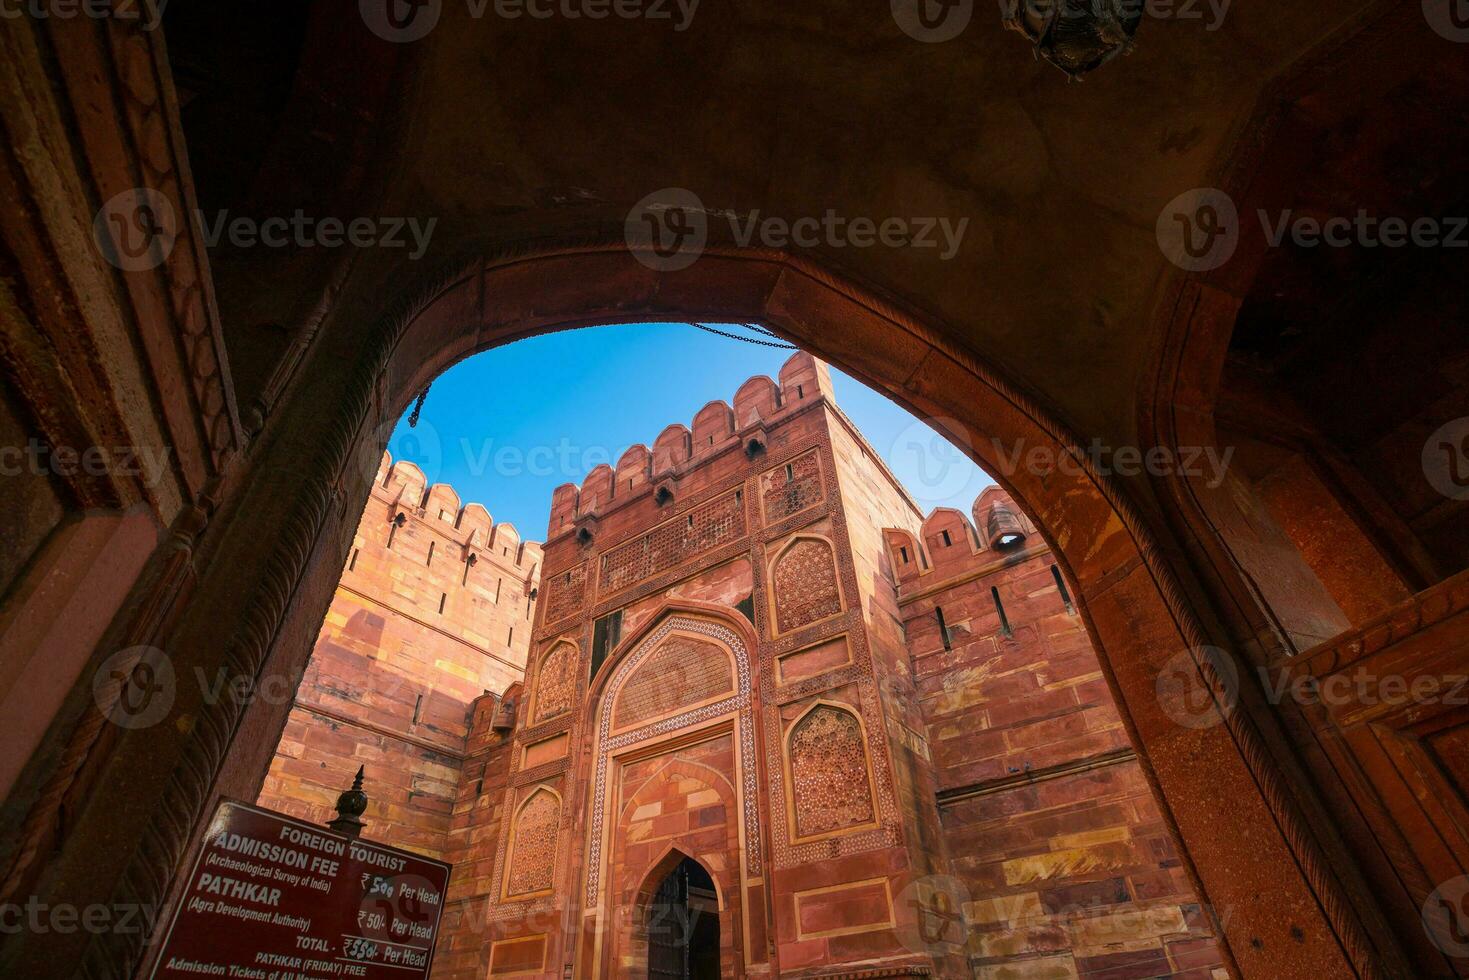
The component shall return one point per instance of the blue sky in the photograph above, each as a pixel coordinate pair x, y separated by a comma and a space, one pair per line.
508, 426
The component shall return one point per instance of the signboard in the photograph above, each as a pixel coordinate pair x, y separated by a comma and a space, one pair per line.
274, 898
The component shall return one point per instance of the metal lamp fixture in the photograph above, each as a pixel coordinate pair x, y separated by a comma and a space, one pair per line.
1077, 36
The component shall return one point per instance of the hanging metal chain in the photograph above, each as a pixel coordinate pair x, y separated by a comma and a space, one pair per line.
418, 408
748, 340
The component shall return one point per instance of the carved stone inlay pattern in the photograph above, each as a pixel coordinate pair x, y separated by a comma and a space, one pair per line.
829, 786
566, 592
739, 703
682, 671
805, 581
533, 851
785, 495
556, 682
704, 527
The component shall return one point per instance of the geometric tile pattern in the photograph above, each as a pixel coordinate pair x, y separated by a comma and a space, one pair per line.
805, 582
533, 846
673, 542
683, 670
784, 495
556, 682
565, 592
828, 760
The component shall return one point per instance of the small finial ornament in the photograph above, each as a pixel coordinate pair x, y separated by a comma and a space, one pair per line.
350, 807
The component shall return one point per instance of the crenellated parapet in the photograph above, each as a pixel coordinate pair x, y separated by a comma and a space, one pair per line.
951, 541
403, 492
715, 429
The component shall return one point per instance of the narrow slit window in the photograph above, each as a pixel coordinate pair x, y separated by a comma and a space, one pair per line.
903, 550
498, 583
1000, 608
790, 473
430, 559
418, 709
1061, 589
353, 563
800, 392
947, 540
938, 612
510, 637
605, 636
443, 598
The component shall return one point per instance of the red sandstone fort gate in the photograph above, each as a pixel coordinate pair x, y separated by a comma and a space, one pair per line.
1327, 551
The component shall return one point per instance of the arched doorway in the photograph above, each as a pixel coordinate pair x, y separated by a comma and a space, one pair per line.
682, 923
1236, 821
1223, 791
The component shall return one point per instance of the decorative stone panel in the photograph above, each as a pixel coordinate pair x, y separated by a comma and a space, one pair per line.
686, 536
791, 488
565, 593
683, 671
609, 742
830, 786
805, 583
556, 682
533, 845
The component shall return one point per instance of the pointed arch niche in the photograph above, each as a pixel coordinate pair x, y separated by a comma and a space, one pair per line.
555, 690
805, 587
828, 769
530, 861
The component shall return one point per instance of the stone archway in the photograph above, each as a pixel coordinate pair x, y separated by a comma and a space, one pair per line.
670, 742
679, 913
1221, 791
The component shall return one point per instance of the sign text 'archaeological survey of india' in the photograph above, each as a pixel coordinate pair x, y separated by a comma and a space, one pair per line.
272, 898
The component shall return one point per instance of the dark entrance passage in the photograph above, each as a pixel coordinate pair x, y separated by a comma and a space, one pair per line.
683, 926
